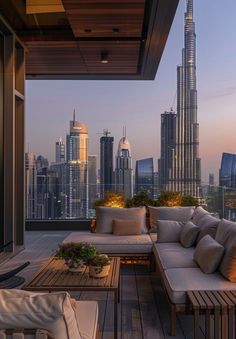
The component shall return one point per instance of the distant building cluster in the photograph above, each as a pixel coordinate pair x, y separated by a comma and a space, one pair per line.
69, 187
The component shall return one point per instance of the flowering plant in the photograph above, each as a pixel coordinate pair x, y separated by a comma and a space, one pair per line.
99, 261
76, 253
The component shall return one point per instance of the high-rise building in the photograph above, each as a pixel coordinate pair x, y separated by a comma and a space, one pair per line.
166, 161
60, 168
41, 162
228, 170
187, 178
92, 180
211, 179
77, 169
123, 170
144, 176
106, 163
60, 151
30, 186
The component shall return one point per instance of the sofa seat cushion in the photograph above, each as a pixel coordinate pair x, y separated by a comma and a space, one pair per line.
175, 258
170, 213
85, 310
180, 280
110, 243
168, 246
105, 216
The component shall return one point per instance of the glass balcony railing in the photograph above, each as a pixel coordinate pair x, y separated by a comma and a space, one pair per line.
53, 202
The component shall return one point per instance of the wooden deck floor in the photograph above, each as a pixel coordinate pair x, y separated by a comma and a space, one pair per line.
143, 310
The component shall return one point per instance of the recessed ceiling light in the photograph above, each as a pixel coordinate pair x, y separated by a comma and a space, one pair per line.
104, 58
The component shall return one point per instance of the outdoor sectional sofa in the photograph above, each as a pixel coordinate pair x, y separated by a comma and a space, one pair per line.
193, 250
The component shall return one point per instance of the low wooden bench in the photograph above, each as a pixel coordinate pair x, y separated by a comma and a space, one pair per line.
220, 305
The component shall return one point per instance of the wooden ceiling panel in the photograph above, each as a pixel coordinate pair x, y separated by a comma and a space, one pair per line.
122, 56
105, 19
51, 57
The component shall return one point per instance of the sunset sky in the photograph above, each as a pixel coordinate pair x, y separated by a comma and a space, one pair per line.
138, 104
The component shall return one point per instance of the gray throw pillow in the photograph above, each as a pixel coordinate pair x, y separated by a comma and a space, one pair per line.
188, 234
182, 214
168, 230
208, 254
208, 225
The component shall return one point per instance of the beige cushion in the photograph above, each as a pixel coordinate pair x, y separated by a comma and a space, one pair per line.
208, 254
126, 227
188, 234
180, 280
50, 311
170, 213
198, 213
174, 258
208, 225
168, 230
105, 215
110, 243
85, 310
228, 264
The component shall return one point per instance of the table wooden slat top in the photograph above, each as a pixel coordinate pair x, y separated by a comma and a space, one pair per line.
54, 275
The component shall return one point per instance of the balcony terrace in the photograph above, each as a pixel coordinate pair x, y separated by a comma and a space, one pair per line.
143, 311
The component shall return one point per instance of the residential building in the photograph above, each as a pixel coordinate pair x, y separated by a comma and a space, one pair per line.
60, 151
106, 163
77, 169
144, 176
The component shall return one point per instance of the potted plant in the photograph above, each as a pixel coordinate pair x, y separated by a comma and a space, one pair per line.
76, 255
99, 266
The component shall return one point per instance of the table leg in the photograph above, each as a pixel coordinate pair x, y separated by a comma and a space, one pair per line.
119, 290
115, 313
208, 324
196, 323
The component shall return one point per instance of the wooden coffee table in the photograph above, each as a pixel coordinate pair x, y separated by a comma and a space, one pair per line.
55, 276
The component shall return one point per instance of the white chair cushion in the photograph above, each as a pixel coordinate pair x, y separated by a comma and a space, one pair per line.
87, 318
50, 311
110, 243
180, 280
105, 215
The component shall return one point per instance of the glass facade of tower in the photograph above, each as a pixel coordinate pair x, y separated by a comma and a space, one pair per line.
106, 164
228, 170
144, 176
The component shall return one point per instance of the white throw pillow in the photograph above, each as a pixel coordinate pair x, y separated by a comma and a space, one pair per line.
50, 311
105, 216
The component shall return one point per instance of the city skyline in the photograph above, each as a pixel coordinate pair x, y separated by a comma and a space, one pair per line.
138, 105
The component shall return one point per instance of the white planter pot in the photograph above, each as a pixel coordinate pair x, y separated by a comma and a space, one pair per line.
99, 272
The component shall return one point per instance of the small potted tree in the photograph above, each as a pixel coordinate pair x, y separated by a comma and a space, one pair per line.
99, 266
76, 255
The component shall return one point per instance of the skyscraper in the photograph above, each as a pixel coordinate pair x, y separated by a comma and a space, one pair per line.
106, 163
92, 180
144, 176
77, 169
166, 161
186, 165
30, 186
123, 171
60, 151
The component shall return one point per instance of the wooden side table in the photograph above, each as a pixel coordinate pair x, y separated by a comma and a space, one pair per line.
55, 276
220, 304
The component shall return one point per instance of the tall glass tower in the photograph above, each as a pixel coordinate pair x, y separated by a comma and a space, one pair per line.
187, 171
77, 169
106, 163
